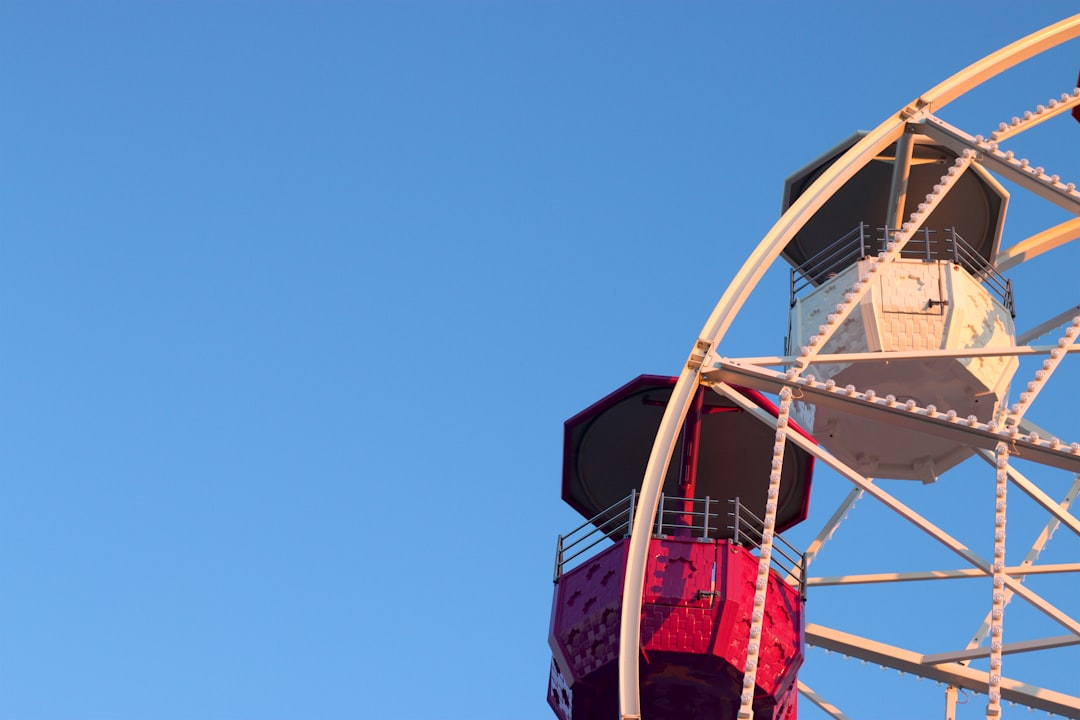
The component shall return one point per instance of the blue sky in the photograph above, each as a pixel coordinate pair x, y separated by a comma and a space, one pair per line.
295, 297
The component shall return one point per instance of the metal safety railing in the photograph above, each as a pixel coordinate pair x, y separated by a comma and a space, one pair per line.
689, 517
747, 530
857, 244
599, 530
981, 269
700, 518
850, 248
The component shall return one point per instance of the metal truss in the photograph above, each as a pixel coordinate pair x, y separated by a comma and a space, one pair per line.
995, 441
944, 667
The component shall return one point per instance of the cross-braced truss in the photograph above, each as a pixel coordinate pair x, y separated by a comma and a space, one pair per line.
946, 667
998, 440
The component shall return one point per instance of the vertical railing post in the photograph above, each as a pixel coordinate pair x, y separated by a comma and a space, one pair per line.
705, 529
862, 240
735, 537
558, 560
802, 577
660, 517
630, 520
926, 240
955, 246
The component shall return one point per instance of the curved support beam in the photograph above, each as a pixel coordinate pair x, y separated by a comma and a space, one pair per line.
733, 298
637, 553
715, 328
1013, 54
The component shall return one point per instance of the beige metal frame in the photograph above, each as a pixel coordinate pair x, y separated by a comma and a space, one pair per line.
917, 112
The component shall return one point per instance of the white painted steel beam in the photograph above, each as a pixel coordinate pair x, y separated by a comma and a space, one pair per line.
763, 256
1012, 54
1053, 108
951, 673
1034, 386
856, 402
908, 514
997, 598
1052, 524
1038, 244
830, 527
1006, 649
1051, 324
747, 278
871, 578
894, 215
827, 707
1036, 493
1017, 170
761, 585
1018, 350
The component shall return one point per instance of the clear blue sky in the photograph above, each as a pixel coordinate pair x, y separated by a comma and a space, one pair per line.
295, 297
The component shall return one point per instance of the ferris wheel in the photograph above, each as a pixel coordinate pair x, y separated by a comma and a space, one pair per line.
904, 371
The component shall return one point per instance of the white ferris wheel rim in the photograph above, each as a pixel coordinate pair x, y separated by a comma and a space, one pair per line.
731, 302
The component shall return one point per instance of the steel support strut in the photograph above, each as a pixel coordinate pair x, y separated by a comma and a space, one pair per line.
733, 298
